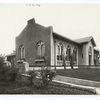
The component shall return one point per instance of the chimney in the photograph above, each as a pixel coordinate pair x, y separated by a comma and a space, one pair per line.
31, 21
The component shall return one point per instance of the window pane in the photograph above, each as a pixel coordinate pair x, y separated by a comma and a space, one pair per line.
43, 50
40, 49
57, 57
22, 52
75, 54
60, 51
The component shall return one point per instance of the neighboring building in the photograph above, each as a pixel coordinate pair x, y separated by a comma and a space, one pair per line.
11, 58
40, 45
96, 57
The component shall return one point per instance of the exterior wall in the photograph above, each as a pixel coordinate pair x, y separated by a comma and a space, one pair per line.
33, 33
65, 44
83, 50
52, 58
87, 55
96, 58
29, 37
82, 54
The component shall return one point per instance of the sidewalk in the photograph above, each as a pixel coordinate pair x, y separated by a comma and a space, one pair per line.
62, 79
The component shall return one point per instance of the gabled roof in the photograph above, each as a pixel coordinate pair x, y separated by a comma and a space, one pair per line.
85, 40
64, 38
95, 49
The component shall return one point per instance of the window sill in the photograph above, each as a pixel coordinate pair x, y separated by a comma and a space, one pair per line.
39, 60
59, 61
67, 61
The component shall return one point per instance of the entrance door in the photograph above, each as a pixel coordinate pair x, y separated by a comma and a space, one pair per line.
89, 59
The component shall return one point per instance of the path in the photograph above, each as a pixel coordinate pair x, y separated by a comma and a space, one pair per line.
62, 79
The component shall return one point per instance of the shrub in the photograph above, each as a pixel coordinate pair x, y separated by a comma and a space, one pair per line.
35, 79
38, 83
11, 75
47, 75
7, 72
1, 64
42, 77
1, 60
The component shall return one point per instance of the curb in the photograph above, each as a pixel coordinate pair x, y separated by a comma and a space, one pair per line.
78, 81
92, 89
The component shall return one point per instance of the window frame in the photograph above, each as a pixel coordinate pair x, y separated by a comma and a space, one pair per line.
75, 54
42, 49
68, 53
22, 51
60, 51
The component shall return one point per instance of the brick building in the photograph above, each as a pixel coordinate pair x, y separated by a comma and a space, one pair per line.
40, 45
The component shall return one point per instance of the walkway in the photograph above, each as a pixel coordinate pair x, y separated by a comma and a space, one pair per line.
77, 83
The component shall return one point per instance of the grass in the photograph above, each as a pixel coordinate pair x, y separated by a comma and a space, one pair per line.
87, 74
52, 88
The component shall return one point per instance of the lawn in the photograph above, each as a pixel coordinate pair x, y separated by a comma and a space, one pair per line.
87, 74
52, 88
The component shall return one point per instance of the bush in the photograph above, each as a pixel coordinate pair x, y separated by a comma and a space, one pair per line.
1, 64
7, 72
36, 79
42, 77
11, 75
38, 83
47, 75
1, 60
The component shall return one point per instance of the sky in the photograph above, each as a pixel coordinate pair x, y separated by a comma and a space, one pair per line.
70, 20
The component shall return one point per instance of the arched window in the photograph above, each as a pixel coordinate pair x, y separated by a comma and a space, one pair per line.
22, 51
68, 53
75, 54
60, 52
40, 49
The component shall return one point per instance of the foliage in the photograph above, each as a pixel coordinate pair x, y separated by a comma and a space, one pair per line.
52, 88
2, 68
1, 60
12, 74
8, 73
47, 75
71, 61
64, 61
42, 77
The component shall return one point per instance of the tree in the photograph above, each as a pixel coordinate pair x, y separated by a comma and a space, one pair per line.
1, 60
1, 67
64, 62
71, 61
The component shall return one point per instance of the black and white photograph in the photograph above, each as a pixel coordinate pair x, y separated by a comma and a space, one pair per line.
49, 48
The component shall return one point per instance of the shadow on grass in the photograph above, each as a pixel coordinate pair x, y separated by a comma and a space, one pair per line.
83, 73
52, 88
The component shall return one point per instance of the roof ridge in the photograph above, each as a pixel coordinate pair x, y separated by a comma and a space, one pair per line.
83, 37
65, 37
